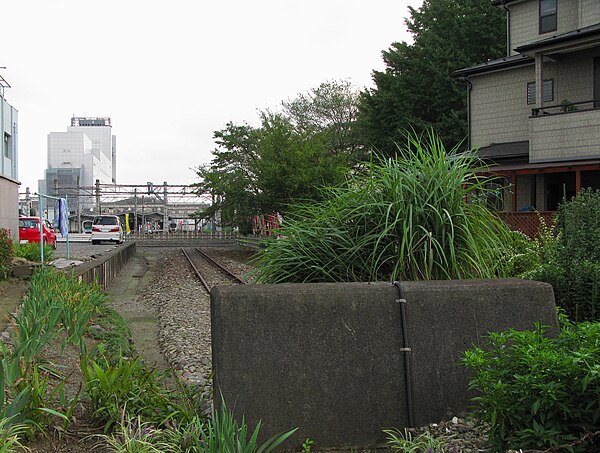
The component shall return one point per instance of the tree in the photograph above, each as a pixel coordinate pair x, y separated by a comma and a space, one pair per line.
262, 170
416, 91
330, 110
229, 177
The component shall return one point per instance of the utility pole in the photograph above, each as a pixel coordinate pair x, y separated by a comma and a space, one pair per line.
98, 206
27, 202
143, 219
136, 229
78, 205
166, 214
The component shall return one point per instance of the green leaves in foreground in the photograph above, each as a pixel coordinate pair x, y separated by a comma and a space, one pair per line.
537, 392
420, 216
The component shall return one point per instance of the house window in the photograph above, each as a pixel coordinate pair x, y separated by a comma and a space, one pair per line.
548, 89
5, 146
547, 16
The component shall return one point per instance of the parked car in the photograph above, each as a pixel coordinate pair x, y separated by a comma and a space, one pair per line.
86, 226
29, 231
107, 228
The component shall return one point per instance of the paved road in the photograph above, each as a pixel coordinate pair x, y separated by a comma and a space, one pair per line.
83, 251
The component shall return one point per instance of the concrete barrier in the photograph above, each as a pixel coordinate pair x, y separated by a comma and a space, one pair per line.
103, 269
328, 358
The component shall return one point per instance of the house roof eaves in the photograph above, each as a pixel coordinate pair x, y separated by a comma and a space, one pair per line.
502, 2
504, 150
494, 65
591, 31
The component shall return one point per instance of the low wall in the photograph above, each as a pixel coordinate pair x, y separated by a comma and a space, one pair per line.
328, 359
106, 267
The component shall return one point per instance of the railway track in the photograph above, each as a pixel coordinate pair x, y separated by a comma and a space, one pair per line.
209, 272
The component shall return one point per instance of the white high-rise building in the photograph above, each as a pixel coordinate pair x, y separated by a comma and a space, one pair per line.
86, 152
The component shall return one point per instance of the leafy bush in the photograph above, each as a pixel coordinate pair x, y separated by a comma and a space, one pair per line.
570, 259
579, 222
537, 392
420, 216
576, 287
6, 253
31, 251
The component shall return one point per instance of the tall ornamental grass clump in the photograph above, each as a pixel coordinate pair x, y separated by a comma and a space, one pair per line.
573, 269
420, 216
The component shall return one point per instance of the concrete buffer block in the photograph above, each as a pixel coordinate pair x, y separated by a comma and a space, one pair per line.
328, 358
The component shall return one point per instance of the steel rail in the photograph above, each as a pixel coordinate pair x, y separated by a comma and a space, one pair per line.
220, 266
197, 272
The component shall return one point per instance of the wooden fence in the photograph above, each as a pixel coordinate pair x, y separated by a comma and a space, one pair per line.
527, 222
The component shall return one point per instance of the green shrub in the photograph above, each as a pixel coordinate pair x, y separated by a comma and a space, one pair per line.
31, 251
576, 287
418, 217
6, 253
537, 392
579, 222
570, 259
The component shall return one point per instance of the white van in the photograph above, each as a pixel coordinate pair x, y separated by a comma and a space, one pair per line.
107, 228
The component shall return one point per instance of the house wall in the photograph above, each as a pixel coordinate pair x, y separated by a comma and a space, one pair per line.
499, 110
571, 15
589, 13
9, 206
575, 77
567, 136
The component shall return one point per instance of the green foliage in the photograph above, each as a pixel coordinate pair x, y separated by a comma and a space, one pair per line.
408, 219
307, 445
537, 392
330, 111
31, 251
523, 256
576, 287
222, 433
417, 89
406, 442
29, 387
114, 338
128, 386
261, 170
570, 258
134, 436
6, 253
579, 222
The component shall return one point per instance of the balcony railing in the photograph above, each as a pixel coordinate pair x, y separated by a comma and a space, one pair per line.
563, 133
566, 107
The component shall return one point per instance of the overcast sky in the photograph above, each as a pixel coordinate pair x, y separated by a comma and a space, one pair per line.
170, 73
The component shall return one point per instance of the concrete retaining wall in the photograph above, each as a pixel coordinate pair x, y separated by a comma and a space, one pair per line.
327, 357
105, 268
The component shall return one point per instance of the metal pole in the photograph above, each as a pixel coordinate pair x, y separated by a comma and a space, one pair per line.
136, 229
98, 207
166, 215
27, 201
143, 219
41, 235
67, 212
78, 206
